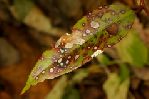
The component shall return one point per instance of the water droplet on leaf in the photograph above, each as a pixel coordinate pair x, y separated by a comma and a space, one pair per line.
94, 24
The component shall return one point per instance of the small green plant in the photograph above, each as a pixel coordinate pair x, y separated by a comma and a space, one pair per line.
101, 29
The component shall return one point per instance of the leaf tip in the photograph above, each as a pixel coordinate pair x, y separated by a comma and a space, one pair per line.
28, 84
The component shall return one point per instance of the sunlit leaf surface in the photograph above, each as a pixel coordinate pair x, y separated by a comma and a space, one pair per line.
132, 50
114, 88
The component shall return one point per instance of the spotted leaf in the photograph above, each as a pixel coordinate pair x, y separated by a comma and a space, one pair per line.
100, 29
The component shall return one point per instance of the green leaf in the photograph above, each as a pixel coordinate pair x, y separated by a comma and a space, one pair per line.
22, 7
124, 72
132, 50
71, 93
114, 88
59, 89
100, 29
103, 59
79, 76
40, 66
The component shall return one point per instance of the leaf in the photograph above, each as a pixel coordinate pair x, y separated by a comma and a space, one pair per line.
100, 29
79, 75
103, 59
114, 88
132, 50
124, 72
22, 7
58, 90
71, 93
27, 12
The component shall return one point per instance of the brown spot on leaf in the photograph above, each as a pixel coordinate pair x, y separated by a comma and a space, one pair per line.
112, 29
65, 39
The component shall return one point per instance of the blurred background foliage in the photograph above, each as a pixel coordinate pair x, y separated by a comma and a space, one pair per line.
28, 27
